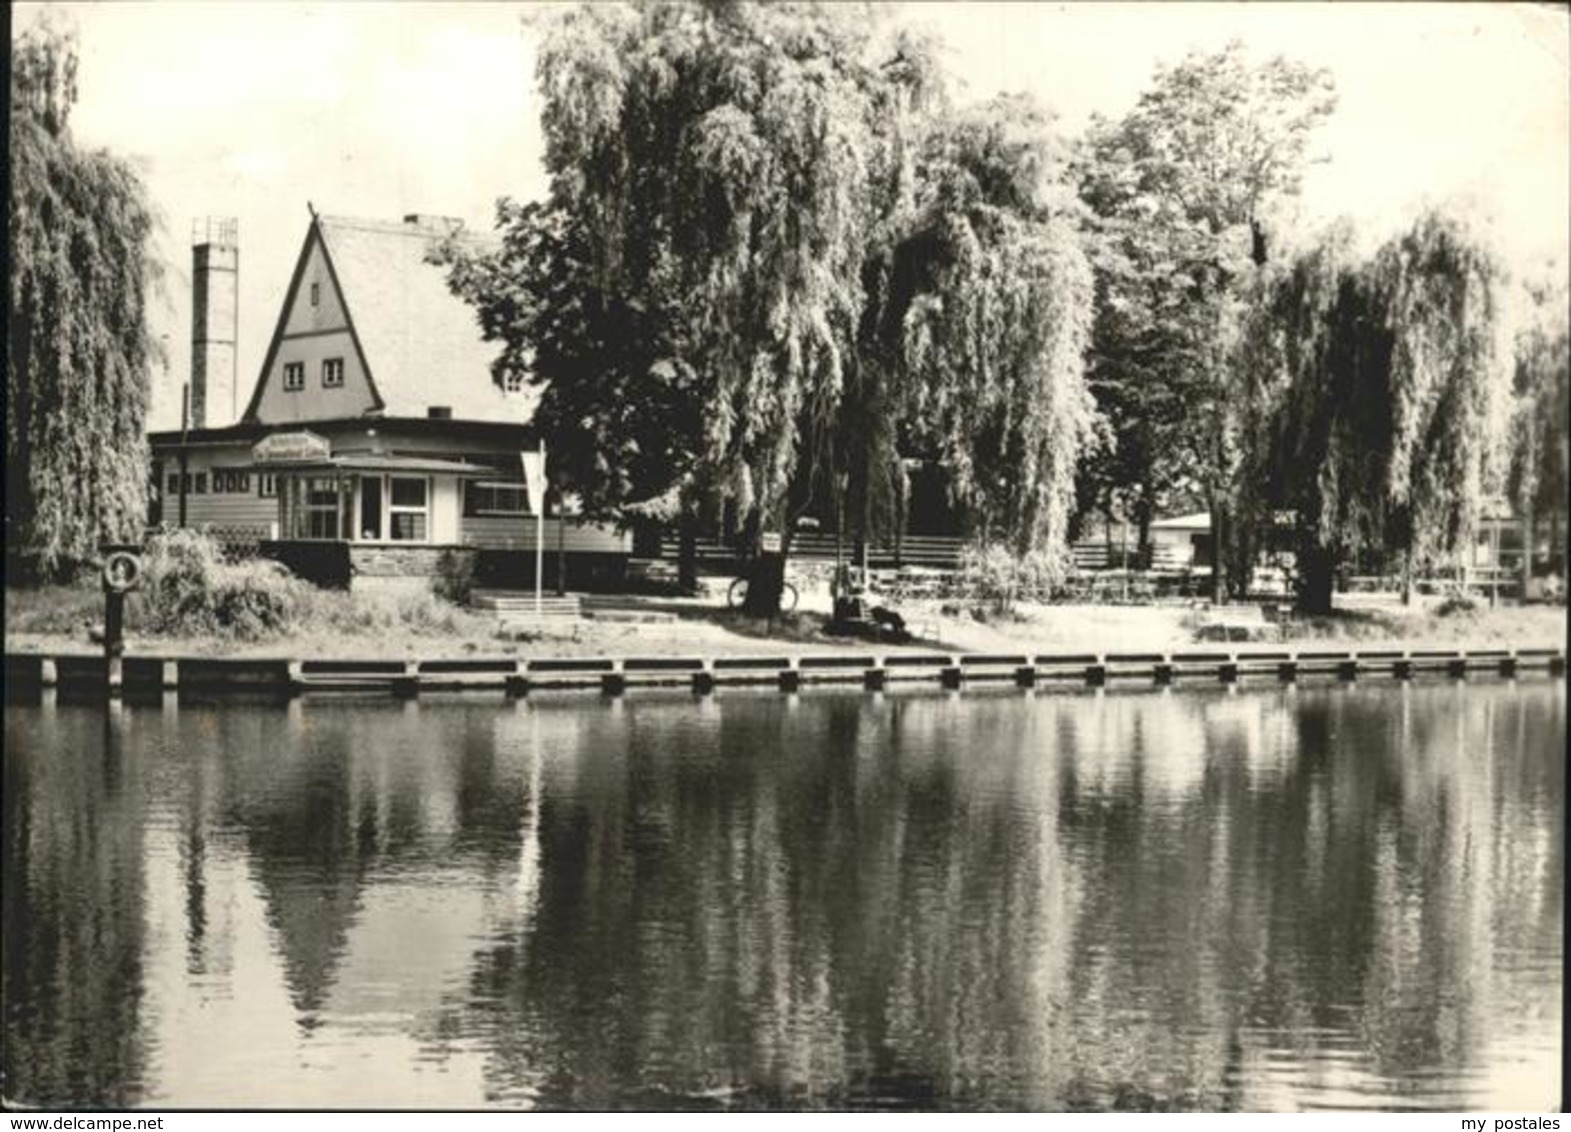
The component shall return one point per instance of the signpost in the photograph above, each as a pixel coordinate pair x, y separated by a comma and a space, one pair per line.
534, 488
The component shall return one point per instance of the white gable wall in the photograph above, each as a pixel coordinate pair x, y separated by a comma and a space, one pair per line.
301, 317
310, 335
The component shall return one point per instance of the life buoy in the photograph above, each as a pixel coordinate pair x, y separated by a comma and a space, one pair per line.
122, 570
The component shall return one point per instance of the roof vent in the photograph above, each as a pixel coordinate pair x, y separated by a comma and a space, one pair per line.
439, 412
439, 225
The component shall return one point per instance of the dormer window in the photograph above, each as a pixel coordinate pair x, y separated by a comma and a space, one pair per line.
332, 373
294, 377
316, 294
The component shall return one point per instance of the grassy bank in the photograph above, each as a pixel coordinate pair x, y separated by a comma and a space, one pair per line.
58, 619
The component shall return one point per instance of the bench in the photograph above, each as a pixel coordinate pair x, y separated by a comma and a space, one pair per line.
1234, 622
515, 602
517, 614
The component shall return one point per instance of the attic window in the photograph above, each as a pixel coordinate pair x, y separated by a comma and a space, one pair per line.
332, 373
512, 383
294, 376
316, 294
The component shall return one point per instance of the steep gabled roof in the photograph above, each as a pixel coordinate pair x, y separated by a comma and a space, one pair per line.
421, 345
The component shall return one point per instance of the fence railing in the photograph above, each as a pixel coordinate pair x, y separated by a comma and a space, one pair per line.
936, 551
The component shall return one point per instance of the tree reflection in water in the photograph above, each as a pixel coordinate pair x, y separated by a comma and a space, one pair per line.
1192, 899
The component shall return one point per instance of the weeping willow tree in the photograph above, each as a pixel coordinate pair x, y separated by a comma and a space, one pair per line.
719, 155
1442, 293
78, 348
993, 301
823, 266
1378, 398
1540, 464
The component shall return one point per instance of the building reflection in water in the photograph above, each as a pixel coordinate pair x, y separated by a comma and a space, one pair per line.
1195, 899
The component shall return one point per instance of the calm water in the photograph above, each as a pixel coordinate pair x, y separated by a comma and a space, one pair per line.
1273, 899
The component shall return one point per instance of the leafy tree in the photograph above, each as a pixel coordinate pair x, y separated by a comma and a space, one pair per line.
1376, 395
619, 404
761, 231
1186, 189
78, 348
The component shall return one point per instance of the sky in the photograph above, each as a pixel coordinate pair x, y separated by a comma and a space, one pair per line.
254, 110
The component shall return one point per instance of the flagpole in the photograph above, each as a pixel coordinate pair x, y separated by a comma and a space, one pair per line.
540, 534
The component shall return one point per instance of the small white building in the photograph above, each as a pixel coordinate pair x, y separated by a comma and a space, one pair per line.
375, 440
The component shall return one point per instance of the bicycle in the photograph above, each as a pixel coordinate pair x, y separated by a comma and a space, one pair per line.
736, 596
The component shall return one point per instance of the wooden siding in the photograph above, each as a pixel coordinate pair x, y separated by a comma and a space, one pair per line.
518, 533
224, 510
239, 509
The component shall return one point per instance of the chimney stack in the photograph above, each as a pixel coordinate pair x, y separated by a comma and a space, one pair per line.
215, 318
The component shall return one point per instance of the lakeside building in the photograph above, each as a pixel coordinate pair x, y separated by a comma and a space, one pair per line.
1183, 544
374, 443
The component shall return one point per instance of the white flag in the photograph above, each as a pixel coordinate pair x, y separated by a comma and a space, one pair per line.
534, 479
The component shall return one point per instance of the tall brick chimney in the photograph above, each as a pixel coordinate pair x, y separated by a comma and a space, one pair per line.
215, 319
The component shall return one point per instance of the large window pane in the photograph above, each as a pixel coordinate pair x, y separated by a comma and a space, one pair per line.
323, 524
406, 509
371, 507
321, 507
482, 498
408, 492
408, 526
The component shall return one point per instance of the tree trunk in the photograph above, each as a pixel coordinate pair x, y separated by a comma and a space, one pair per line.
766, 581
561, 550
1527, 551
1218, 572
1316, 578
864, 532
1407, 576
902, 513
687, 551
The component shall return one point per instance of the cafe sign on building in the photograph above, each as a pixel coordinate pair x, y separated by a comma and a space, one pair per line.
291, 448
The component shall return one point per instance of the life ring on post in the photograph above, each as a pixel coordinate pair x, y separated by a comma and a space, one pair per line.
122, 570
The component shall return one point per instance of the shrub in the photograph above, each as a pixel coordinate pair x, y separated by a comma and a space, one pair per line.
255, 600
455, 576
1456, 604
189, 590
995, 574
